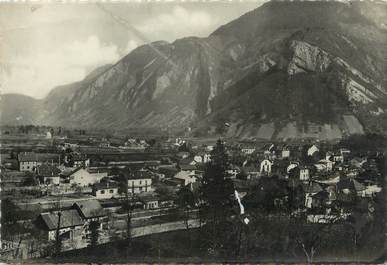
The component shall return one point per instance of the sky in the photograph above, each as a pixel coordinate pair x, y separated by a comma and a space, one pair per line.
46, 45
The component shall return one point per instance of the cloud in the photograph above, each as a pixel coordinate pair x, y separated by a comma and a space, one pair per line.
130, 46
177, 23
36, 74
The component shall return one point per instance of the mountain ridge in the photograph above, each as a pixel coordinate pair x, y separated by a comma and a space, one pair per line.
267, 74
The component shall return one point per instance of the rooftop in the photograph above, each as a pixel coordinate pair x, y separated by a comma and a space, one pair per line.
68, 218
39, 157
90, 208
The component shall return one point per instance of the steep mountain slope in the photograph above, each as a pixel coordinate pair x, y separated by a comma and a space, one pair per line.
286, 69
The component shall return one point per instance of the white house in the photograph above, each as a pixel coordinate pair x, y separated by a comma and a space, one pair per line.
248, 150
285, 152
304, 173
312, 150
187, 177
29, 161
324, 165
291, 166
140, 181
202, 158
265, 166
81, 177
105, 190
48, 135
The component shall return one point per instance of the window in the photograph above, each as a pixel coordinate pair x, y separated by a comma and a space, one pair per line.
102, 192
110, 191
140, 182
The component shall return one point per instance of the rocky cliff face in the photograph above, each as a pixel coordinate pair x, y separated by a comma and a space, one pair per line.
299, 69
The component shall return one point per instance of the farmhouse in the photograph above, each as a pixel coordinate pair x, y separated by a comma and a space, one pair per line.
105, 190
70, 227
29, 161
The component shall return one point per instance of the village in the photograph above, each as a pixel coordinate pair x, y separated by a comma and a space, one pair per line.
70, 194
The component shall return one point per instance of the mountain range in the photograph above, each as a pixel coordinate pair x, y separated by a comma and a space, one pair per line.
284, 70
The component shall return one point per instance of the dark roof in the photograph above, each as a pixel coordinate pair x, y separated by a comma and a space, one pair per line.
90, 208
39, 157
78, 156
350, 184
48, 170
68, 218
312, 187
67, 173
148, 198
139, 174
250, 169
105, 185
322, 195
187, 167
186, 161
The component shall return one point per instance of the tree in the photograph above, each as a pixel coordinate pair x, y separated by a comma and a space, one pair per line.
30, 180
94, 233
311, 238
216, 194
186, 200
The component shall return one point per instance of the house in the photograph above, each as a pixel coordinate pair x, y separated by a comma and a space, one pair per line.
48, 135
186, 177
357, 162
80, 160
182, 155
48, 174
291, 166
140, 181
248, 150
233, 171
338, 157
91, 211
81, 177
351, 186
285, 153
29, 161
371, 190
202, 158
345, 151
304, 173
265, 166
105, 190
188, 161
149, 201
312, 150
70, 226
324, 165
329, 156
104, 142
319, 200
209, 148
268, 149
323, 218
311, 189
